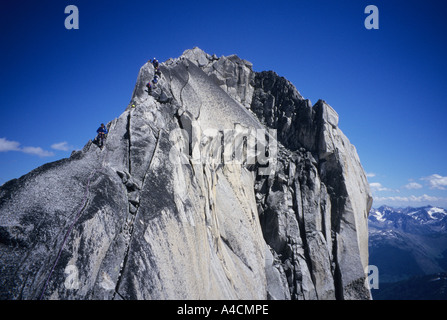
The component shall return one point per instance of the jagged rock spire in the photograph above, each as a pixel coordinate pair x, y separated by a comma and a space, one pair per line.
166, 211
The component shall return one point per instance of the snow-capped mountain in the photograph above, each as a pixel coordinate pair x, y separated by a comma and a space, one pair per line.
407, 242
423, 220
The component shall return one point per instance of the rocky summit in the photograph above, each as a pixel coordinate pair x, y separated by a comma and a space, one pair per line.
218, 183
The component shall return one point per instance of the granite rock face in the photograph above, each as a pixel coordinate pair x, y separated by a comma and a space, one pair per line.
223, 183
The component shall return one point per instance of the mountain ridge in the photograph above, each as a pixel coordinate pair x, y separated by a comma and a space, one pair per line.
166, 211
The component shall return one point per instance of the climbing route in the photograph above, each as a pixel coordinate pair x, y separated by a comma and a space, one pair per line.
76, 217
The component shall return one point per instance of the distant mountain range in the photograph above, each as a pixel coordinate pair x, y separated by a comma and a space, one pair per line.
407, 245
423, 221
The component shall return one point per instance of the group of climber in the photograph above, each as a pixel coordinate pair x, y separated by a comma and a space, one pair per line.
102, 130
157, 74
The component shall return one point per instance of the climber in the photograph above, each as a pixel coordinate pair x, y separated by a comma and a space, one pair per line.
155, 80
157, 72
102, 134
149, 88
155, 63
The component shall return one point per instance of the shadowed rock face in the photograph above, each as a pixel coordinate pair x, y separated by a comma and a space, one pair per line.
178, 206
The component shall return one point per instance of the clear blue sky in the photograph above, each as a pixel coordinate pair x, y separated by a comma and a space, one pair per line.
388, 85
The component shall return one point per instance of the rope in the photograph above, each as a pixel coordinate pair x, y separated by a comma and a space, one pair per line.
77, 216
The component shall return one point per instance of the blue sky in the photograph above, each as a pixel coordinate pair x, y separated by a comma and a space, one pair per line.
388, 85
